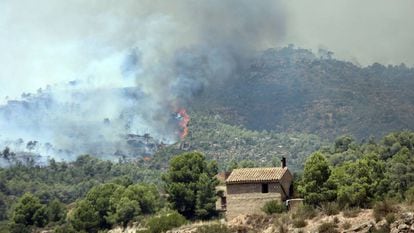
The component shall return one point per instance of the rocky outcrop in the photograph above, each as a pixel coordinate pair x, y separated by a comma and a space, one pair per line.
405, 224
362, 228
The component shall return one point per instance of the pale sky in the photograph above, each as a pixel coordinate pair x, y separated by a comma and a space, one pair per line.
49, 41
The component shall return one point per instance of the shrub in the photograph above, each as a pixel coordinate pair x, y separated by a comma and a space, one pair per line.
346, 225
65, 228
283, 228
409, 195
390, 218
336, 220
382, 229
274, 207
351, 212
381, 209
213, 228
165, 222
328, 227
330, 208
299, 223
305, 212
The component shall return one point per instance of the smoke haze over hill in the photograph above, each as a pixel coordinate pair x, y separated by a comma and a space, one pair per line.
83, 54
109, 68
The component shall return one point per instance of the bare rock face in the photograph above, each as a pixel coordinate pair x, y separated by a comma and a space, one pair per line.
405, 224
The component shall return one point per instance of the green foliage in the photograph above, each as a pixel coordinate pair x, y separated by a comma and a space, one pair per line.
409, 194
235, 146
274, 207
365, 174
19, 228
85, 217
109, 204
29, 211
213, 228
190, 182
56, 211
343, 143
65, 228
66, 181
164, 222
315, 186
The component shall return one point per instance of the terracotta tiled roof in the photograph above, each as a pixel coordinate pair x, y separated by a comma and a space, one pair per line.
256, 175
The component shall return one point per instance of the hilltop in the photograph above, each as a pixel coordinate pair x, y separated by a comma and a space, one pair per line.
294, 90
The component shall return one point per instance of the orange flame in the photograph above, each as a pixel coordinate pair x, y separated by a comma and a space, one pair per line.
185, 118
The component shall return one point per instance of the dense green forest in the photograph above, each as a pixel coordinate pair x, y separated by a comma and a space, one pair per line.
356, 174
90, 194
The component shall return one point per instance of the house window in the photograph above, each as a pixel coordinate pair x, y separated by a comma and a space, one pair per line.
223, 203
265, 188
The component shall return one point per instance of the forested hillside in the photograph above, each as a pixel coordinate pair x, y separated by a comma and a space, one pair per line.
91, 194
237, 146
295, 90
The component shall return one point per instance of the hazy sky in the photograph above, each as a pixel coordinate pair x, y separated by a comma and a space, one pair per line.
363, 31
51, 41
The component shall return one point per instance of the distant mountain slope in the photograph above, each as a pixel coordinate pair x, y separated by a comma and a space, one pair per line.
293, 90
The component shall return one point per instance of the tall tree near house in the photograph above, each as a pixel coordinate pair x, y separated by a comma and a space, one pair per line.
315, 185
190, 183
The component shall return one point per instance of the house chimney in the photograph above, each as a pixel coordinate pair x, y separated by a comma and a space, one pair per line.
283, 162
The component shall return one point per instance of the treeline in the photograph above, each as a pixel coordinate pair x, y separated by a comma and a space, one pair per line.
360, 174
65, 181
91, 195
117, 196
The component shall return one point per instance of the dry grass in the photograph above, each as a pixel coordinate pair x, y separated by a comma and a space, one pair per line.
351, 212
381, 209
328, 227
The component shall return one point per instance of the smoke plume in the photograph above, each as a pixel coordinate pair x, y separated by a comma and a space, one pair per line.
107, 69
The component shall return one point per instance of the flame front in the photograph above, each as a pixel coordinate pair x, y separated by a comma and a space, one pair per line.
185, 119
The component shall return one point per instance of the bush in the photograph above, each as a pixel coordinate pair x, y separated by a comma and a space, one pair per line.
274, 207
305, 212
19, 228
346, 225
382, 229
351, 212
328, 227
65, 228
165, 222
409, 195
299, 223
283, 228
330, 208
213, 228
390, 218
381, 209
336, 220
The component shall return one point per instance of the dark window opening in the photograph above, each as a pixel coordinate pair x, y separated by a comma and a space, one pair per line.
223, 203
265, 188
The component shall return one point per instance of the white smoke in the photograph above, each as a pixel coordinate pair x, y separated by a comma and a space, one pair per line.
110, 68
